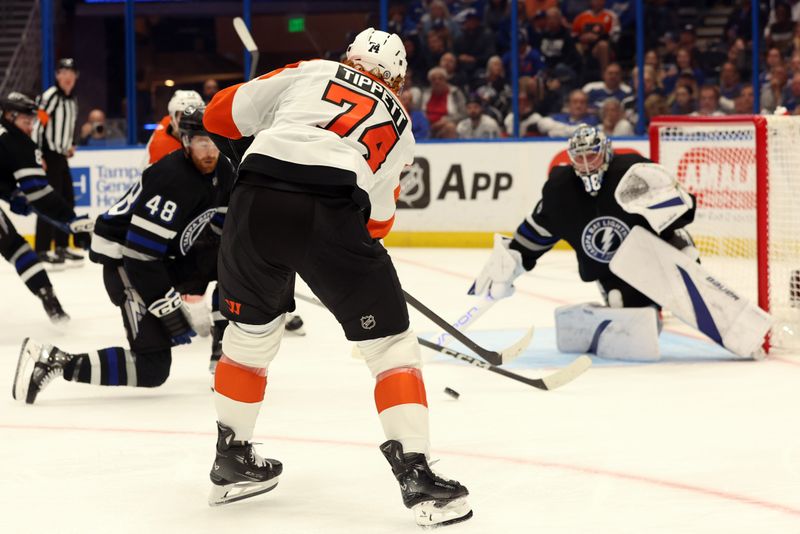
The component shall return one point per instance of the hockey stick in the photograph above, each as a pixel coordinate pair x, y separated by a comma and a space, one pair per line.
494, 358
552, 381
247, 40
466, 319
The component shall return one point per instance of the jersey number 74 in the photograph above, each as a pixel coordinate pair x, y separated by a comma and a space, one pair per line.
379, 139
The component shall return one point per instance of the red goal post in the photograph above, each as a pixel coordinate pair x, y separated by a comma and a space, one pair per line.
745, 172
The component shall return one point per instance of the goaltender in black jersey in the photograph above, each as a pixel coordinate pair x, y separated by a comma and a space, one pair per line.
154, 247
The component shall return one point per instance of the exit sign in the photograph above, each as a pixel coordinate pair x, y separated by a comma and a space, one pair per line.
297, 24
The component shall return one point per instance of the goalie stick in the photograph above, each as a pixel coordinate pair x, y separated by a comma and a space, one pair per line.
555, 380
250, 45
466, 320
493, 357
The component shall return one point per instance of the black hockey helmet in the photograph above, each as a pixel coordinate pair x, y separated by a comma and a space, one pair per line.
18, 103
191, 122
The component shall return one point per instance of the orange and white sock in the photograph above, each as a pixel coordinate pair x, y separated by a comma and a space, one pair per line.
403, 408
238, 394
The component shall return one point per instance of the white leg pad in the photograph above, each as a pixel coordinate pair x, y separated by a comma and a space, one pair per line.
390, 352
614, 333
673, 280
253, 345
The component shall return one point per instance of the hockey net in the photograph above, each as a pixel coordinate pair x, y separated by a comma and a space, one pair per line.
745, 171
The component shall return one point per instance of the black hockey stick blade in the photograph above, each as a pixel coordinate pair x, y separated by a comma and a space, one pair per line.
493, 357
555, 380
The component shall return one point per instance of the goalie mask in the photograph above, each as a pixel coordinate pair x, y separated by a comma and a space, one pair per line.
589, 154
381, 54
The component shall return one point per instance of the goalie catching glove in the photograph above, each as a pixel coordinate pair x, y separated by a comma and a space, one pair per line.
497, 276
651, 191
169, 311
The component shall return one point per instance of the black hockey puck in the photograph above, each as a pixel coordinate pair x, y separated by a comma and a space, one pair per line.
453, 393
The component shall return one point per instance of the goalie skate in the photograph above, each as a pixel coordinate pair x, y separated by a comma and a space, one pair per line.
239, 472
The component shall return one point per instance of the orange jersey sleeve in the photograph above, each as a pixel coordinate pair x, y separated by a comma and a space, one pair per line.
162, 142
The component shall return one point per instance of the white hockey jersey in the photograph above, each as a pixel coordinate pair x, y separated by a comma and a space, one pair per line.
321, 122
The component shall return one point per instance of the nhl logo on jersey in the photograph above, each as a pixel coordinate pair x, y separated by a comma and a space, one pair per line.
368, 322
602, 237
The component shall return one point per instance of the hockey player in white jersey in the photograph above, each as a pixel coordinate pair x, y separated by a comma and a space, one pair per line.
624, 217
321, 145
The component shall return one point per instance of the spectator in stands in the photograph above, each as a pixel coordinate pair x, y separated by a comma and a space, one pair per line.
655, 105
415, 57
435, 49
596, 29
612, 117
528, 117
685, 65
743, 105
442, 102
794, 63
96, 131
447, 130
652, 59
449, 63
477, 125
708, 102
729, 85
740, 21
210, 88
534, 7
475, 45
794, 9
779, 33
495, 13
682, 100
610, 87
738, 57
651, 86
688, 39
669, 53
495, 91
412, 89
557, 46
564, 124
772, 93
772, 60
530, 61
791, 97
438, 19
419, 122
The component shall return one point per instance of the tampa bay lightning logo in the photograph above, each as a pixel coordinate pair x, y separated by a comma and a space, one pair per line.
602, 237
193, 229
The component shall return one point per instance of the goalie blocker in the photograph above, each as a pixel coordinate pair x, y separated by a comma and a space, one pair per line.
671, 279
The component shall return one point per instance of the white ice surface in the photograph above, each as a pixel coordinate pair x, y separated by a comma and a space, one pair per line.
684, 446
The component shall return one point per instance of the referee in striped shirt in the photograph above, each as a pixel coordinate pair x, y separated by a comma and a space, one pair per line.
55, 135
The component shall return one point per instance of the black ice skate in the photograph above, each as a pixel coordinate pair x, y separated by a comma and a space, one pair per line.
70, 258
52, 306
294, 325
48, 363
52, 261
434, 500
238, 472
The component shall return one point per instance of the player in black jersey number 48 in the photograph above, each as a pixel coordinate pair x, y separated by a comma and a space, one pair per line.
153, 247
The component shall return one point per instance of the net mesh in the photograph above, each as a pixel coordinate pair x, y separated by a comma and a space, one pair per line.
717, 162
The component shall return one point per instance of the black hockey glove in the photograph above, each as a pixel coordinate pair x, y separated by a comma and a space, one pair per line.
19, 203
169, 311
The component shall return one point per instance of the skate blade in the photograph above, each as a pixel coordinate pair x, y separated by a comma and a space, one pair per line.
22, 377
430, 515
238, 491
